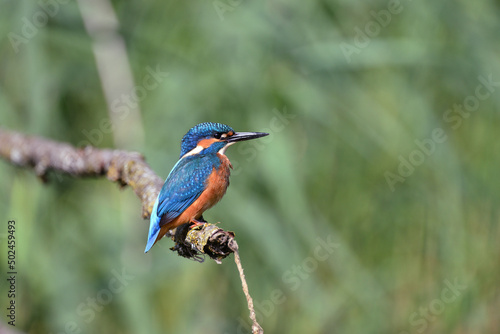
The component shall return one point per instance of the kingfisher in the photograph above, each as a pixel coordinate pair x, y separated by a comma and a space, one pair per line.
197, 181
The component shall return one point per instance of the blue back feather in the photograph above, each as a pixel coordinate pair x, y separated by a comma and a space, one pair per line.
183, 186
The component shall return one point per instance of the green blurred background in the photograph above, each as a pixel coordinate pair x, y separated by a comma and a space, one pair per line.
371, 208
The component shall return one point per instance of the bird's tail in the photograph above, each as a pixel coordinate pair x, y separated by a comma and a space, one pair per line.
154, 227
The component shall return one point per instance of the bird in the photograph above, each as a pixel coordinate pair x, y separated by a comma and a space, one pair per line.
197, 181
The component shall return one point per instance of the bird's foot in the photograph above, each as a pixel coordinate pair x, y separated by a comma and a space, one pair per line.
195, 223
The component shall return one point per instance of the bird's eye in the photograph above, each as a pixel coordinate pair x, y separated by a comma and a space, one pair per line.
219, 135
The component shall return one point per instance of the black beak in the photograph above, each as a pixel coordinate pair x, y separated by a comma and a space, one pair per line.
240, 136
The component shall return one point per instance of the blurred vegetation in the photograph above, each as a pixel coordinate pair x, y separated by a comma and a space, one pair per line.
323, 172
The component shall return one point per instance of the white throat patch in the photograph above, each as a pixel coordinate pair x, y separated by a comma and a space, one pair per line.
223, 150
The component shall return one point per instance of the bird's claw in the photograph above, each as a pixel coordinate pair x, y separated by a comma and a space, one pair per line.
195, 223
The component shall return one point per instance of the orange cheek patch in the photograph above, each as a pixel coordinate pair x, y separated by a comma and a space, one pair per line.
205, 143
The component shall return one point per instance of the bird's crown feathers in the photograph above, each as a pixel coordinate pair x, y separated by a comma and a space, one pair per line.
201, 131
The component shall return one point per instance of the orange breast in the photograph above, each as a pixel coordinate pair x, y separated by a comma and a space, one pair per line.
217, 184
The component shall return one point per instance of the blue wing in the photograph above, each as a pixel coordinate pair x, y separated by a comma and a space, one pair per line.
183, 186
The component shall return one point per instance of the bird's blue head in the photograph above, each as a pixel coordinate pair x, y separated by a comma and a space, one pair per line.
211, 137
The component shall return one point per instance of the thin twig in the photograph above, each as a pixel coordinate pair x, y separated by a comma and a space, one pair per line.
256, 328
